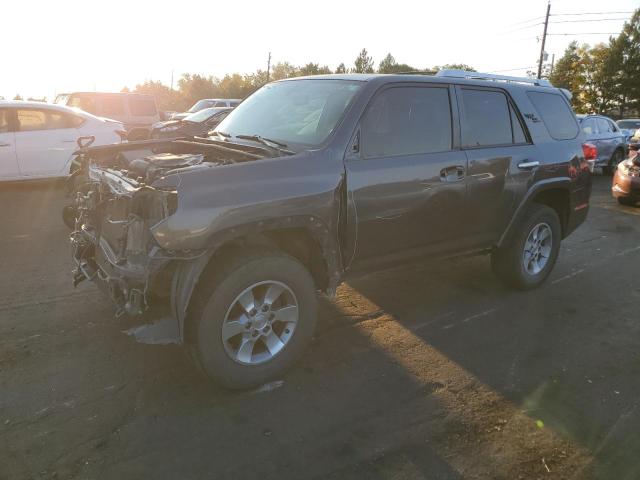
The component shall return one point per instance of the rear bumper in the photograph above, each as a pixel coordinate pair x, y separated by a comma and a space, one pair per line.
624, 186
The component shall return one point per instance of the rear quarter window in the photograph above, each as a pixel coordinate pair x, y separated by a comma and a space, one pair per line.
556, 115
142, 107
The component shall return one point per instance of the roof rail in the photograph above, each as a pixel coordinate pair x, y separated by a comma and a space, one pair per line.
490, 76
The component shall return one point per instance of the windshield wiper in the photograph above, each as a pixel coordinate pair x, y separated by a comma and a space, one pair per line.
268, 142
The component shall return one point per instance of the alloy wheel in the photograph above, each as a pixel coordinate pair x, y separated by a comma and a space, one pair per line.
537, 248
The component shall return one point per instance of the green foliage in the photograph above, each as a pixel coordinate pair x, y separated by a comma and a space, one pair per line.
342, 68
17, 97
606, 77
389, 65
454, 66
363, 62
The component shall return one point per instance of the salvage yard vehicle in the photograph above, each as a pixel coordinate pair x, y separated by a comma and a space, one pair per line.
629, 128
626, 180
311, 180
196, 124
207, 103
38, 140
610, 141
137, 111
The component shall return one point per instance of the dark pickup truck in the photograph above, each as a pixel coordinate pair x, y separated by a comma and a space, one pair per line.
313, 179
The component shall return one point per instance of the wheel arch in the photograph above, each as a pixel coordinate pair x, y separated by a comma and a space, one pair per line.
305, 238
555, 193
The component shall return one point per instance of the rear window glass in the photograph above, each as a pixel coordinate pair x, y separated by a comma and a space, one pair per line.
556, 114
142, 107
486, 120
589, 126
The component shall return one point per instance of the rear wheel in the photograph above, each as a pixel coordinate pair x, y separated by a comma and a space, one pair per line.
252, 318
528, 259
616, 158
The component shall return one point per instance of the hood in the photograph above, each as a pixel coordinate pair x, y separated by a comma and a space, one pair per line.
180, 116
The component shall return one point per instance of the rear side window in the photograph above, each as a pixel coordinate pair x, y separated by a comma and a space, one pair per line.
4, 120
589, 126
142, 107
556, 115
112, 106
407, 120
604, 125
32, 119
487, 119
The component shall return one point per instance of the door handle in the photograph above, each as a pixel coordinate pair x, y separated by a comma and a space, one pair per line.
5, 144
452, 174
68, 141
528, 165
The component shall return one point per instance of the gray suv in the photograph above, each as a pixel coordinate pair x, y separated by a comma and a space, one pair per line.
610, 141
311, 180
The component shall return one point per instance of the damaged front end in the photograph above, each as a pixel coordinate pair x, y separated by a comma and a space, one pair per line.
121, 193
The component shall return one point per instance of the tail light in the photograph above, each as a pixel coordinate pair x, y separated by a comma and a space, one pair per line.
122, 134
590, 152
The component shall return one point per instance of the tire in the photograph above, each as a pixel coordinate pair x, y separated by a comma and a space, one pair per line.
219, 301
508, 262
616, 158
626, 201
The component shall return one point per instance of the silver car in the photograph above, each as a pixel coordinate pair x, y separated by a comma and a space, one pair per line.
608, 139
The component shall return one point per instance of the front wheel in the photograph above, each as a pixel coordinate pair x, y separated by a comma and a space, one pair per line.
252, 318
528, 259
629, 202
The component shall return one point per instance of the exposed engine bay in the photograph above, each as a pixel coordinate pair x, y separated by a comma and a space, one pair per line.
122, 191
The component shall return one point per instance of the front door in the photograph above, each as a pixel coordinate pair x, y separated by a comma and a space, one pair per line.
45, 142
406, 177
8, 162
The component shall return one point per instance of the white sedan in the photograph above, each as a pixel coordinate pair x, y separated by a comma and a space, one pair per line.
37, 140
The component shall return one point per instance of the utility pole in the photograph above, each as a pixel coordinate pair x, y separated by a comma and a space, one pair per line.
268, 67
544, 39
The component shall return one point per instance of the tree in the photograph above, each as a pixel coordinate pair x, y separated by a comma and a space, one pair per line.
628, 51
17, 97
389, 65
363, 62
314, 69
342, 68
568, 74
284, 70
454, 66
166, 98
194, 87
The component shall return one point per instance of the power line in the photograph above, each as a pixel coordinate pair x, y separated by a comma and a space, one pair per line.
586, 33
589, 20
587, 13
523, 28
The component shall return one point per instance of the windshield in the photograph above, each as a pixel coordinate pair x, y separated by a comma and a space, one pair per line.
629, 124
302, 112
200, 116
199, 105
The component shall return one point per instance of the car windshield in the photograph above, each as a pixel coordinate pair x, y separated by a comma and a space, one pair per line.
298, 112
199, 105
629, 124
200, 116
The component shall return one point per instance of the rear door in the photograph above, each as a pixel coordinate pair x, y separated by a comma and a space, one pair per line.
8, 163
499, 153
45, 141
607, 140
406, 177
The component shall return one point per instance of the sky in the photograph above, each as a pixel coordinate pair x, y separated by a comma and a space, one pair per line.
68, 45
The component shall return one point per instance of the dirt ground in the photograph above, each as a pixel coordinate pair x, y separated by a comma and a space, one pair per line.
427, 372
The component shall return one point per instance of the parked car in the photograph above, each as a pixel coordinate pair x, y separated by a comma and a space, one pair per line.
37, 140
136, 111
610, 141
626, 180
629, 127
312, 180
196, 124
207, 103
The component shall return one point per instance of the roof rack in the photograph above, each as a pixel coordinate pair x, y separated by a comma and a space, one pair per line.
490, 76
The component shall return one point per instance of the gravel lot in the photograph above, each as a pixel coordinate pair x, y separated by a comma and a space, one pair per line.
429, 372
